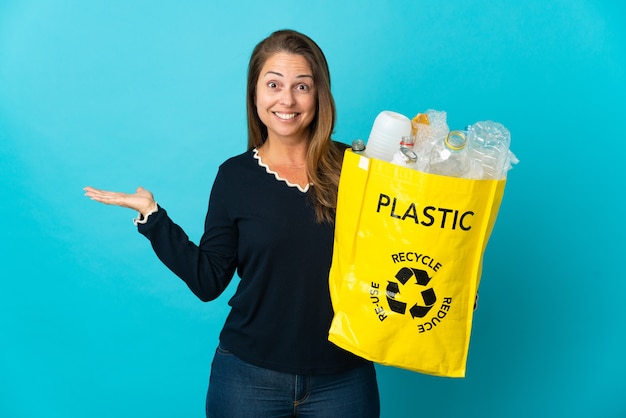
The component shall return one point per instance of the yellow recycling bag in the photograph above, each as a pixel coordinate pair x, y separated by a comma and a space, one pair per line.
407, 262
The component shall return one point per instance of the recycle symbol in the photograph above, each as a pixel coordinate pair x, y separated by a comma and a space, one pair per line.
419, 309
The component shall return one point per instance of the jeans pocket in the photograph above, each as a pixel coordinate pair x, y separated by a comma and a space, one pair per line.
222, 350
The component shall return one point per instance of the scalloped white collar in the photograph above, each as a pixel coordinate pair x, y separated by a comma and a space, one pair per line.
255, 154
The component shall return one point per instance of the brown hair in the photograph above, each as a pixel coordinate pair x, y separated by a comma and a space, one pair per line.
324, 156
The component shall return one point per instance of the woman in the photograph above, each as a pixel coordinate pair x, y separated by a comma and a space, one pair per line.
270, 219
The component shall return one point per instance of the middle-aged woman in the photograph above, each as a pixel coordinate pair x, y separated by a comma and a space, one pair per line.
271, 220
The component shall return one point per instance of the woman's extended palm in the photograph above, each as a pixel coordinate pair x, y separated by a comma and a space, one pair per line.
142, 200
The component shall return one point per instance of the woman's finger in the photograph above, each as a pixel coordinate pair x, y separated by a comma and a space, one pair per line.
110, 198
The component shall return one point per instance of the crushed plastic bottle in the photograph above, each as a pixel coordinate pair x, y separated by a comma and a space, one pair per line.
429, 130
450, 156
489, 144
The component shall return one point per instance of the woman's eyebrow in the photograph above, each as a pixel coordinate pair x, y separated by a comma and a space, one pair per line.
280, 75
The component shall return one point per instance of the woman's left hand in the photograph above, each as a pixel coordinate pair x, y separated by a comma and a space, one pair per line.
142, 200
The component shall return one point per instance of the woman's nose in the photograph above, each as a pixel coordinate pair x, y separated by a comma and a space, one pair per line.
287, 97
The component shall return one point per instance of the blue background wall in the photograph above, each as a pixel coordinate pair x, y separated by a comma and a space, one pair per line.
117, 94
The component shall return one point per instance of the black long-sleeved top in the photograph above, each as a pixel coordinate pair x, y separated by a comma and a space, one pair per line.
265, 230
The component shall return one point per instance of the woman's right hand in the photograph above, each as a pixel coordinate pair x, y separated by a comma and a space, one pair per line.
142, 200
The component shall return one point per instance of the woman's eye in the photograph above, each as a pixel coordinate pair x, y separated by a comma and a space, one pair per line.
272, 85
302, 88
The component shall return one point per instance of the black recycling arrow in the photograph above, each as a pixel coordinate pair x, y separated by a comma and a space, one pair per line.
421, 277
394, 305
429, 299
404, 274
392, 289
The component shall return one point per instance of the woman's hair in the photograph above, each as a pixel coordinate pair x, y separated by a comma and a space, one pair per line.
324, 157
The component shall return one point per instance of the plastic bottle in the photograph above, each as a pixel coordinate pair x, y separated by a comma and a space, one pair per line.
489, 144
405, 156
358, 147
388, 129
450, 156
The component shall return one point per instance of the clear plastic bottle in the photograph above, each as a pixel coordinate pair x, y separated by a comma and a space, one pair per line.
405, 156
489, 144
450, 156
358, 147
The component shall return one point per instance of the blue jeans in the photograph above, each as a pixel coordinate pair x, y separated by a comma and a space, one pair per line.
240, 390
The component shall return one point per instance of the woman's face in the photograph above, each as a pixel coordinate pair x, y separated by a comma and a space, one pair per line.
286, 97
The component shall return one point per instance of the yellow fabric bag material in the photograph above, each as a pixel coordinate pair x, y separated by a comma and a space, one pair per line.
407, 263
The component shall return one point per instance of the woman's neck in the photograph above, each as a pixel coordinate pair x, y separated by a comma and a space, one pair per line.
287, 160
283, 154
